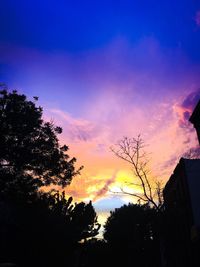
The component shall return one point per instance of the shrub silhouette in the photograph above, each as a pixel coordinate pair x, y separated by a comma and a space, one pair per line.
131, 234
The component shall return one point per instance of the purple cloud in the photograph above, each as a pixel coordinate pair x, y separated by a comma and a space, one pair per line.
192, 153
186, 108
76, 129
101, 192
197, 18
171, 162
191, 100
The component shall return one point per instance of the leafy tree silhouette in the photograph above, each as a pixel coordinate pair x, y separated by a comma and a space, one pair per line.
30, 154
132, 235
37, 228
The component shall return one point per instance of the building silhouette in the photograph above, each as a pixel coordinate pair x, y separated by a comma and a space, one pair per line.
182, 210
195, 119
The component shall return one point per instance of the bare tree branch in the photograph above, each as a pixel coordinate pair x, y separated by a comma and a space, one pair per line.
128, 193
132, 151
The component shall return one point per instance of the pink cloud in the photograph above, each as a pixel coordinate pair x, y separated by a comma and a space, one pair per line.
99, 96
76, 129
166, 140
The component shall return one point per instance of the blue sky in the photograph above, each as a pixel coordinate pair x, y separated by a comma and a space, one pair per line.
81, 25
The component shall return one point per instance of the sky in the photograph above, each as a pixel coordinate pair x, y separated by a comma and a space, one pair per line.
104, 70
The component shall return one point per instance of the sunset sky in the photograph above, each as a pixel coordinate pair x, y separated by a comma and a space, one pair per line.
103, 70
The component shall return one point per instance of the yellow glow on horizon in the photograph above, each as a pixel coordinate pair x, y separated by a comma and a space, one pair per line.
103, 171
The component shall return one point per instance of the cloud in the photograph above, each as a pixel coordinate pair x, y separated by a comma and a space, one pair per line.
197, 18
105, 188
80, 188
90, 188
160, 128
99, 96
171, 162
77, 129
191, 100
192, 153
186, 107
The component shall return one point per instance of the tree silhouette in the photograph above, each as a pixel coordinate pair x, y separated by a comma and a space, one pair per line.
30, 154
46, 230
37, 228
131, 233
95, 252
131, 150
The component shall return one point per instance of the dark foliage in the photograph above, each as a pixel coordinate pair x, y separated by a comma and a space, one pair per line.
37, 228
131, 233
30, 154
96, 253
45, 232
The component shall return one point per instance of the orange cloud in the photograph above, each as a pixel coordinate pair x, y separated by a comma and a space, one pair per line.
90, 139
132, 94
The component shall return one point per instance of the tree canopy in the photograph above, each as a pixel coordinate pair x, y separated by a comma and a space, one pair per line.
131, 233
130, 223
30, 154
